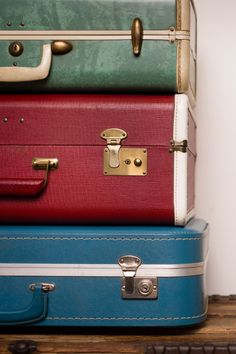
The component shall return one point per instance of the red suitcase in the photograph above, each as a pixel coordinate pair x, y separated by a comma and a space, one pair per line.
96, 159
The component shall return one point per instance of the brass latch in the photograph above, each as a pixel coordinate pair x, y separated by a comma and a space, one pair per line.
113, 137
134, 287
46, 164
181, 146
137, 36
121, 161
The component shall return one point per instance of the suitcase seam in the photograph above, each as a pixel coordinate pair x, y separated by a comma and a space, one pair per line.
175, 159
99, 239
128, 318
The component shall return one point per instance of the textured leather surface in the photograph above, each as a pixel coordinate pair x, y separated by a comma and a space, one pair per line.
96, 301
68, 128
23, 187
86, 14
98, 66
93, 65
34, 312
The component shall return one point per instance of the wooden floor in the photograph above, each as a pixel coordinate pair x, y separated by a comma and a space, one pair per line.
216, 335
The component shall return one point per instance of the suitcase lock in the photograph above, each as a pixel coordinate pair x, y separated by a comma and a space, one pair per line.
134, 287
119, 161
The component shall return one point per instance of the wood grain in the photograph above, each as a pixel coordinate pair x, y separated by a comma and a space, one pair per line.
219, 329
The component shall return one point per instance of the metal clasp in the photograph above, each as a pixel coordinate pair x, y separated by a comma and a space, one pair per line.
136, 287
129, 266
45, 287
137, 36
122, 161
181, 146
113, 137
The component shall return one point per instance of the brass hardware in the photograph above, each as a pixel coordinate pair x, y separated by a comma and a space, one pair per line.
113, 137
16, 49
137, 36
138, 162
181, 146
5, 119
127, 166
133, 287
45, 164
122, 161
45, 287
61, 47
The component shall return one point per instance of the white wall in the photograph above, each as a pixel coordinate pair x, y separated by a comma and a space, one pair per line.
216, 117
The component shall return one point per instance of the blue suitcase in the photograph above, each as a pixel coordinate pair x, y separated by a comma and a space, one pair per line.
103, 276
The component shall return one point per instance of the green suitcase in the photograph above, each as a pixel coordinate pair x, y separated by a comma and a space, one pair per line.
98, 45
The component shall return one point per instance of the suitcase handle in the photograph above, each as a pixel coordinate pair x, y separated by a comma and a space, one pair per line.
35, 311
28, 186
21, 187
22, 74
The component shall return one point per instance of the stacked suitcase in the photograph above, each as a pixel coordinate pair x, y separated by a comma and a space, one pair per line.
98, 155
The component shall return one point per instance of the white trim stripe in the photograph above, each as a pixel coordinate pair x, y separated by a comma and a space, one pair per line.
91, 35
180, 132
99, 270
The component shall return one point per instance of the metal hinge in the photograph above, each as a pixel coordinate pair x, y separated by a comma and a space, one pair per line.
181, 146
122, 161
134, 287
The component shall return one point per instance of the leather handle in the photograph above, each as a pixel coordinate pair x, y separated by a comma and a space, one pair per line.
35, 311
28, 186
23, 74
21, 187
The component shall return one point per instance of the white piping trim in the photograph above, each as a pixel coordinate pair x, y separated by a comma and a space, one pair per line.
91, 35
98, 270
180, 132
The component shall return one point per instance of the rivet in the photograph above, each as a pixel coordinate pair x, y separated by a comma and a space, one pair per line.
8, 24
22, 120
138, 162
16, 49
5, 119
22, 24
14, 63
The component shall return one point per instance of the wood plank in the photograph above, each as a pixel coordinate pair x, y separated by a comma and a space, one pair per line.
219, 328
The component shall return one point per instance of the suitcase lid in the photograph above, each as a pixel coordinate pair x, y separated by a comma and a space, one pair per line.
87, 14
105, 244
80, 119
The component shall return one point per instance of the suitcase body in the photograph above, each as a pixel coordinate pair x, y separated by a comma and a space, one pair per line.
103, 276
96, 159
82, 45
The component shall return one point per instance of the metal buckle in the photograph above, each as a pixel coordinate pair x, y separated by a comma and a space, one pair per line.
122, 161
136, 287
